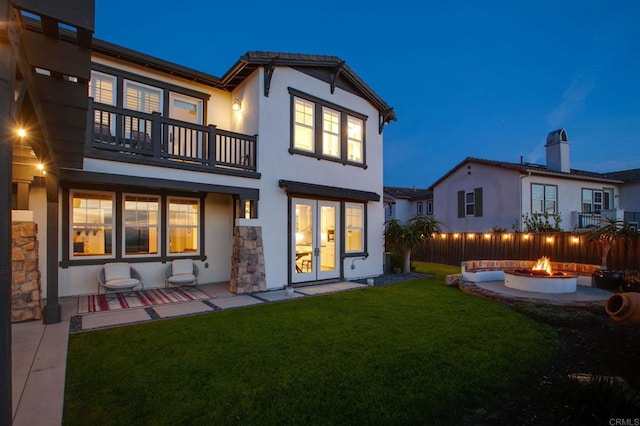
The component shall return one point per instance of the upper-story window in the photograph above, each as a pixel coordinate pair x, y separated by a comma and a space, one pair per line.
469, 203
303, 127
596, 200
325, 130
143, 98
355, 139
330, 132
544, 198
420, 209
126, 90
102, 88
429, 207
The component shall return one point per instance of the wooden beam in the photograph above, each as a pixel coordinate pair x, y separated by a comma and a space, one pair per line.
57, 56
76, 13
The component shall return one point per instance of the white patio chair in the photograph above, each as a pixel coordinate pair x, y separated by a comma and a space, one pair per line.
181, 272
118, 277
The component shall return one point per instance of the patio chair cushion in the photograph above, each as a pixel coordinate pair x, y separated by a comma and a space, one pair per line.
122, 283
117, 271
182, 266
181, 278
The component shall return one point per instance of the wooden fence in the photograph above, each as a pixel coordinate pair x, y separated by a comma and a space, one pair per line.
452, 249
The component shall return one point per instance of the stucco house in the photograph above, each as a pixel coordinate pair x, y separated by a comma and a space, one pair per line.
478, 194
267, 176
404, 203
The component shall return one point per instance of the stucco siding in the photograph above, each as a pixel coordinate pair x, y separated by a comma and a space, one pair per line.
500, 192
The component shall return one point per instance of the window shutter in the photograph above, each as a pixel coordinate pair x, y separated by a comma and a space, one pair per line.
478, 200
461, 206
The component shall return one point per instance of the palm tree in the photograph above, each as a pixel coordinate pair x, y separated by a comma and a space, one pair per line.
610, 231
404, 237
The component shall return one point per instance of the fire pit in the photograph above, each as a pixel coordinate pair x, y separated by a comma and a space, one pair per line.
541, 279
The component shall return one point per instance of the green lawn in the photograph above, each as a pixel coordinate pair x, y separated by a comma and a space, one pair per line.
415, 352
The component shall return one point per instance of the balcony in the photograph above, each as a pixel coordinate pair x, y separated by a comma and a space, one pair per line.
153, 139
591, 220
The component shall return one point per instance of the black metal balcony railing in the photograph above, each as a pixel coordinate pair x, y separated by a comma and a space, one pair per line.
588, 220
152, 135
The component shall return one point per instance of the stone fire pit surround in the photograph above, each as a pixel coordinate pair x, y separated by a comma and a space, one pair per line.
493, 270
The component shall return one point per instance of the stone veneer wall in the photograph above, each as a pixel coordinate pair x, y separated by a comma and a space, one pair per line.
247, 263
25, 274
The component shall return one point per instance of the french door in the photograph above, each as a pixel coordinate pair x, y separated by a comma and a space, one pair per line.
182, 140
314, 233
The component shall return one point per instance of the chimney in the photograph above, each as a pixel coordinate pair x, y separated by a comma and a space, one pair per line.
558, 151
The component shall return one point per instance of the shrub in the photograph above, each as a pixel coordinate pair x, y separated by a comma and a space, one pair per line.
540, 222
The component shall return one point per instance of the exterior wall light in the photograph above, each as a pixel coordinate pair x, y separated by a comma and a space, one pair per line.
22, 132
236, 105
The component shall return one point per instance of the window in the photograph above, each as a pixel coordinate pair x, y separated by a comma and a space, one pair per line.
120, 225
429, 207
544, 198
102, 88
596, 200
141, 223
303, 136
330, 132
335, 134
143, 98
420, 207
184, 220
354, 139
469, 203
354, 227
92, 224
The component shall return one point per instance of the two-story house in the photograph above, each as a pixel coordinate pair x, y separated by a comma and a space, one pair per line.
268, 176
478, 195
404, 203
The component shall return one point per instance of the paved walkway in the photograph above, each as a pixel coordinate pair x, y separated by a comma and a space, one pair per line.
39, 351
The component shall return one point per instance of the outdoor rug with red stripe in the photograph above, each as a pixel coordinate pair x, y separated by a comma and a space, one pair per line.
153, 297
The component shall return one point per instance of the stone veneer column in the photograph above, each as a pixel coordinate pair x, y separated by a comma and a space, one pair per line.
247, 264
25, 273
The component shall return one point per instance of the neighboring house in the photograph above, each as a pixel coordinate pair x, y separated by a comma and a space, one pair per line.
629, 193
268, 176
405, 203
478, 195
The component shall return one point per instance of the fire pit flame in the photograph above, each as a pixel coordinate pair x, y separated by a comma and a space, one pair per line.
543, 264
541, 278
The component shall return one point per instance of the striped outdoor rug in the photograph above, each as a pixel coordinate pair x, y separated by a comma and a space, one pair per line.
156, 296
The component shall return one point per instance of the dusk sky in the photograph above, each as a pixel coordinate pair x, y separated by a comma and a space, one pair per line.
466, 78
